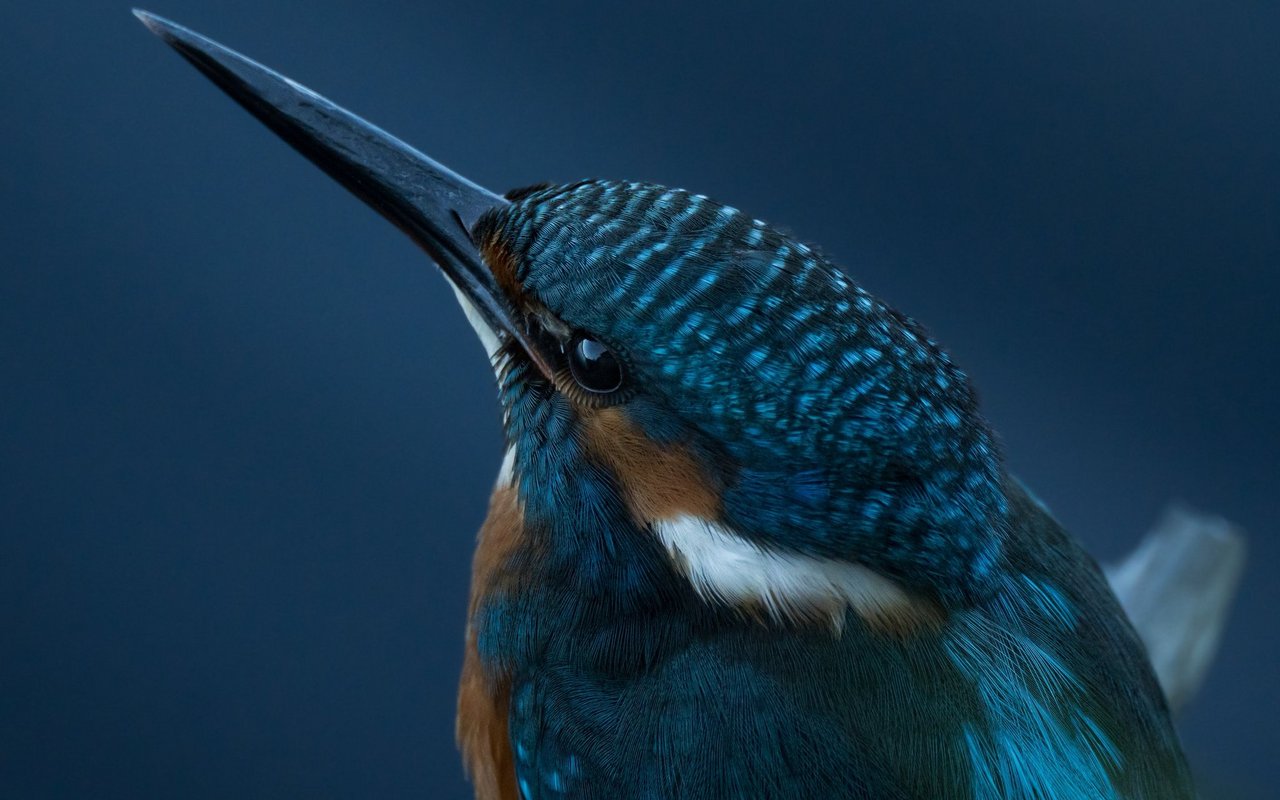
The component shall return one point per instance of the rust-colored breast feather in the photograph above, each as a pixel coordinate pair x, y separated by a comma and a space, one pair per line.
483, 696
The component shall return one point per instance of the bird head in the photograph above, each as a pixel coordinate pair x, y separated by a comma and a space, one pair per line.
729, 375
787, 438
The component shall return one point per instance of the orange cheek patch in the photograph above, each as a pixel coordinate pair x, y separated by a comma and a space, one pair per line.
484, 697
503, 265
658, 482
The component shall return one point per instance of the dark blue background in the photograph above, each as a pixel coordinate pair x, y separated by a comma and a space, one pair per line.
247, 437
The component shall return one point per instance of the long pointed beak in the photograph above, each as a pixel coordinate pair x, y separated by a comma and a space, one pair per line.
435, 206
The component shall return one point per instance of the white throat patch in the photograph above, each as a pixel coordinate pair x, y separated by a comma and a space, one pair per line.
726, 568
487, 337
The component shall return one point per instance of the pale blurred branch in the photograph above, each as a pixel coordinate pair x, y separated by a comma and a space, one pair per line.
1177, 587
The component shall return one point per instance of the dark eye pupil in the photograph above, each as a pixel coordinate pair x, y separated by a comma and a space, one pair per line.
594, 366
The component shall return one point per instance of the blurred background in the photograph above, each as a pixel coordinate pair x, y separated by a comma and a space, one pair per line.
247, 437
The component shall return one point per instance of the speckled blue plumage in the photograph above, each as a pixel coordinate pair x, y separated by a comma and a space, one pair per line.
830, 425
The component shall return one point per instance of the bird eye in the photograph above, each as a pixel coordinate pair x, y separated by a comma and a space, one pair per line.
593, 365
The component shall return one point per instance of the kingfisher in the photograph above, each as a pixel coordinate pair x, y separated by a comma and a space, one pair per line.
752, 536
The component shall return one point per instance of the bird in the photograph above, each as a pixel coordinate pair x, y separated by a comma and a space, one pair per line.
752, 536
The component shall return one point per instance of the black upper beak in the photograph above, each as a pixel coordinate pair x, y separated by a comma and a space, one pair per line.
435, 206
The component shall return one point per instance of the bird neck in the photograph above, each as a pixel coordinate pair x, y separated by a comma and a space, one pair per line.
579, 535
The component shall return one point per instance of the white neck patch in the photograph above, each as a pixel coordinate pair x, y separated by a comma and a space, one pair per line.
726, 568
